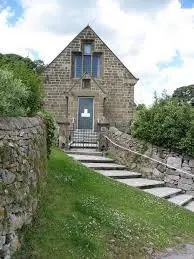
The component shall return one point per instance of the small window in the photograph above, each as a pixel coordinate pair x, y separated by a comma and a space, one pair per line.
87, 48
86, 83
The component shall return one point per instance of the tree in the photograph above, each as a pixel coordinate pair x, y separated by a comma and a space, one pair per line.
184, 93
37, 65
140, 106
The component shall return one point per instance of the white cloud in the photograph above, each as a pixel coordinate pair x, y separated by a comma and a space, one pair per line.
141, 37
146, 40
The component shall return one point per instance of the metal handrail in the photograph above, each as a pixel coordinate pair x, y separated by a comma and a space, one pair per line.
145, 156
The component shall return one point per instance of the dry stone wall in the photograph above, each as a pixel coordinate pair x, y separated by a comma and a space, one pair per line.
175, 169
23, 158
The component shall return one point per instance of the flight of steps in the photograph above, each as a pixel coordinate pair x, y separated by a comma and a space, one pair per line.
106, 166
84, 139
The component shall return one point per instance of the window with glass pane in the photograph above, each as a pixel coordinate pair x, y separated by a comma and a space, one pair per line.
87, 64
78, 66
87, 49
96, 65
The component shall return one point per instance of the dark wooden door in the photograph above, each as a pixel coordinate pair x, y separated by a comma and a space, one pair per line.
85, 113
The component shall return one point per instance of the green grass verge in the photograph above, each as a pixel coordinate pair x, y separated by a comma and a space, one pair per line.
83, 214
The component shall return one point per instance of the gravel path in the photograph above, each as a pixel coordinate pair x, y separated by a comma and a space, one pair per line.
186, 252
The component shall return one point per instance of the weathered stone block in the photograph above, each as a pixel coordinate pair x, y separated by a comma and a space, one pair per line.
157, 173
186, 187
2, 212
2, 241
186, 181
175, 162
161, 168
171, 178
7, 176
191, 163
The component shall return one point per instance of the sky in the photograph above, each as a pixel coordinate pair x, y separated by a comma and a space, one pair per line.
153, 38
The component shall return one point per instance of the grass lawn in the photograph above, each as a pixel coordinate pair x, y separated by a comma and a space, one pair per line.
83, 214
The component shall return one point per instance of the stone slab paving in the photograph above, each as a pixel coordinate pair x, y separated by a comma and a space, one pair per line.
163, 192
141, 182
181, 199
119, 173
106, 166
190, 206
94, 159
89, 158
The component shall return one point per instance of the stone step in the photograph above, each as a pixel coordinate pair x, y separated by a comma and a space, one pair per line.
142, 183
84, 151
87, 135
85, 130
91, 159
164, 192
181, 199
84, 139
119, 174
81, 135
104, 166
190, 206
83, 145
84, 135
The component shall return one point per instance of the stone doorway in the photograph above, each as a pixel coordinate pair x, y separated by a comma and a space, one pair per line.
85, 113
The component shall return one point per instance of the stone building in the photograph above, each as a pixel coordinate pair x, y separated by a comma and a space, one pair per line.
87, 84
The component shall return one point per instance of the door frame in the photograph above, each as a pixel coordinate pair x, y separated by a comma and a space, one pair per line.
78, 109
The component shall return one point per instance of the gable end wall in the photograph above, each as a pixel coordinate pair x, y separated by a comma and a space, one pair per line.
116, 82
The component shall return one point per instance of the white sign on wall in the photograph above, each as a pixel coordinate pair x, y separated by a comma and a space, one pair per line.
85, 114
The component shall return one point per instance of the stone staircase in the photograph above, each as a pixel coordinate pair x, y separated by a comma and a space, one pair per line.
84, 139
106, 166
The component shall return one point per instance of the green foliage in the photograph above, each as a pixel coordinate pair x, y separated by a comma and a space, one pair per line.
37, 65
140, 106
23, 69
167, 123
51, 127
185, 93
14, 95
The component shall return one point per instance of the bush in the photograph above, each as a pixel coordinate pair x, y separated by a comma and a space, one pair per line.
32, 82
168, 123
14, 95
51, 127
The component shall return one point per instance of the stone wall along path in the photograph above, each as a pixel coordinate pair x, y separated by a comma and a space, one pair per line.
23, 157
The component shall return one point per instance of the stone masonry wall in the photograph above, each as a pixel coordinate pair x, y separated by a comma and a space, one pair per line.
23, 158
177, 170
113, 91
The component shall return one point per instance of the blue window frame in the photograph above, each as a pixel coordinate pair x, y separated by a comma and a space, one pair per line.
87, 62
96, 65
78, 66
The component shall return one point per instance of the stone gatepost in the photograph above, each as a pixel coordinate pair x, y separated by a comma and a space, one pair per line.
102, 128
64, 133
